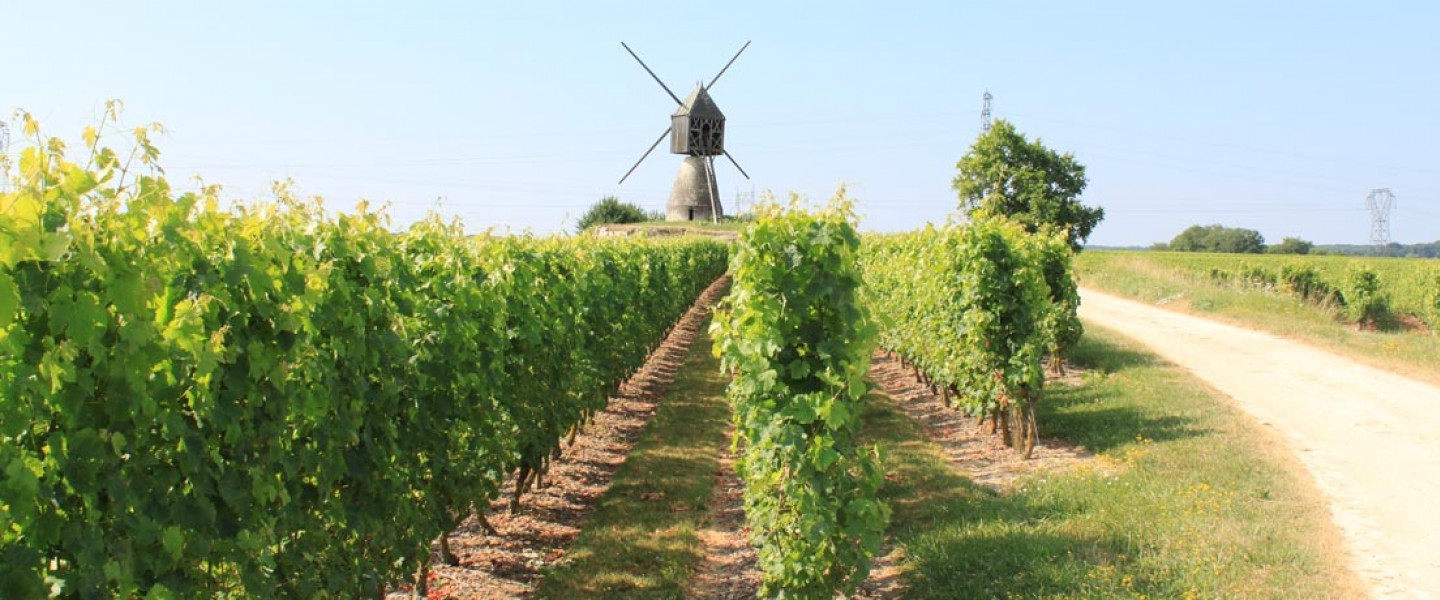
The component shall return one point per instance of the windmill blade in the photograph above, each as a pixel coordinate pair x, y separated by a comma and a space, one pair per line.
647, 155
653, 76
726, 68
737, 165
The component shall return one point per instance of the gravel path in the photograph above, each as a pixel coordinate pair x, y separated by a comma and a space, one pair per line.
1370, 438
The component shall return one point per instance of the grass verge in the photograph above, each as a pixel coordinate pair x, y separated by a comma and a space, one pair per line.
1187, 498
641, 541
1413, 354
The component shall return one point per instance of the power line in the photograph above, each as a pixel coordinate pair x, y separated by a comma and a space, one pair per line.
1219, 211
1418, 212
1228, 144
986, 115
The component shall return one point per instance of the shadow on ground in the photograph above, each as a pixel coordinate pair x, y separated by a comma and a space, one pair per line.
966, 541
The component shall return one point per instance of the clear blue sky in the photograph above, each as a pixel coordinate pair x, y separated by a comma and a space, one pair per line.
1269, 115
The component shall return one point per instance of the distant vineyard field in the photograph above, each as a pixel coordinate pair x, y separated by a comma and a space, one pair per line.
1411, 283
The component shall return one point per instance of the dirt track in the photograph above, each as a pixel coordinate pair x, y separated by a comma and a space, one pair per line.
1370, 438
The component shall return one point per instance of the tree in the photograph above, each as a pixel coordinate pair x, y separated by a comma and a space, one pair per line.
1238, 240
1291, 245
1195, 238
1005, 173
1218, 238
611, 210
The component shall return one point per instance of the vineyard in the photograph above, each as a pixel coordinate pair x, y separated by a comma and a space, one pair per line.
975, 309
278, 400
1353, 287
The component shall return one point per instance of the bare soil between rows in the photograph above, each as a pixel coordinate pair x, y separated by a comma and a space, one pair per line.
968, 444
728, 570
510, 565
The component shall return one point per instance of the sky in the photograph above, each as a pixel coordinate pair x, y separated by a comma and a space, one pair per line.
1275, 116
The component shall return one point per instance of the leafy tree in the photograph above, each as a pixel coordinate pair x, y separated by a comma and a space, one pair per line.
1218, 238
1291, 245
1004, 173
1238, 240
611, 210
1195, 238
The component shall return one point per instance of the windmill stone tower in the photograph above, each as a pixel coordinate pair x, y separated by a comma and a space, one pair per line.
697, 130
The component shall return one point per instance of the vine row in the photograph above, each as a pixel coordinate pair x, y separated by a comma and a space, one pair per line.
797, 339
275, 400
973, 309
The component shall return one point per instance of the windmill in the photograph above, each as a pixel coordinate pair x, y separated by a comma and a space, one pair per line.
697, 130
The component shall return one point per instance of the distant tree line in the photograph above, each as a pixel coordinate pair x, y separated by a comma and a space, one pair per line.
1393, 249
1216, 238
1239, 240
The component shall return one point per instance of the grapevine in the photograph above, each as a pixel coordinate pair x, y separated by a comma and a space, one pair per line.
967, 306
273, 399
797, 339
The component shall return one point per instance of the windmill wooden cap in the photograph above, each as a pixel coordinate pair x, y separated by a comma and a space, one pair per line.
699, 105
